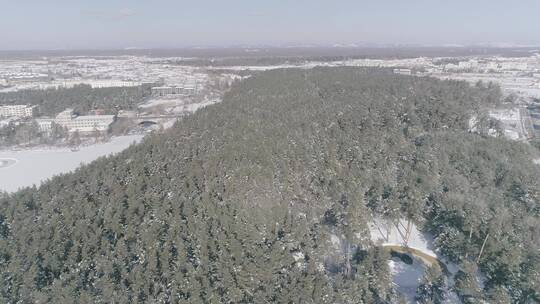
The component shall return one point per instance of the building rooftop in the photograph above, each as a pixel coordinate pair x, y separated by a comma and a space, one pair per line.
95, 117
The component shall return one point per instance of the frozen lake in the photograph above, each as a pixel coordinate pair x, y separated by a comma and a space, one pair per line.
28, 167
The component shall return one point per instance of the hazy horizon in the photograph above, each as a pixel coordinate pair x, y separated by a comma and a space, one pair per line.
162, 24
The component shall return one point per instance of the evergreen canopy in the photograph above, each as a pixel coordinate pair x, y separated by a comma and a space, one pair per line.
242, 201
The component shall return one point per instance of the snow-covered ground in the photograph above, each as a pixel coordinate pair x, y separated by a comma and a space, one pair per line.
192, 107
406, 277
166, 103
512, 123
29, 167
511, 120
530, 92
387, 233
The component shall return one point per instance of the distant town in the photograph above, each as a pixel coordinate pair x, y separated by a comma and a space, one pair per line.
173, 91
176, 89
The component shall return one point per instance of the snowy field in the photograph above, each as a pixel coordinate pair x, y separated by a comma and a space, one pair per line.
31, 167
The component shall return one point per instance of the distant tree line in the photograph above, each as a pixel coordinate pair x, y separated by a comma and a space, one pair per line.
82, 98
28, 134
255, 61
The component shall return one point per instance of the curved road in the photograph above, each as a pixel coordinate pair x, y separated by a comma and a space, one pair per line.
426, 258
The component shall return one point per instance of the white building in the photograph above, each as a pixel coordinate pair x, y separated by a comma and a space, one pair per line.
185, 90
45, 124
466, 65
83, 124
451, 67
492, 66
127, 114
162, 91
512, 65
86, 123
18, 111
112, 83
403, 71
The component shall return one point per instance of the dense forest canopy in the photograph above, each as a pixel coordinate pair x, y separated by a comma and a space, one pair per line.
82, 98
241, 202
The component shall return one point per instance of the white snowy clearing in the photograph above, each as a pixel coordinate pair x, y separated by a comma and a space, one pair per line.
385, 233
406, 235
31, 167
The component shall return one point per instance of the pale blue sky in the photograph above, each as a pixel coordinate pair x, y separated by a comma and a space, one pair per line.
53, 24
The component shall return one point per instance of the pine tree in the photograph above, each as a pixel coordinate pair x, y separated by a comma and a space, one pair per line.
432, 288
